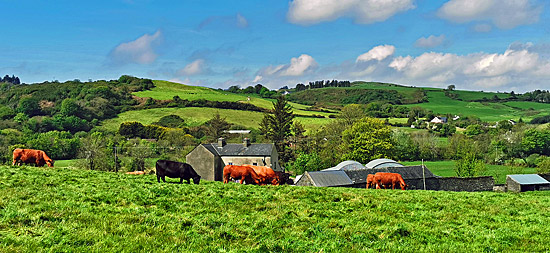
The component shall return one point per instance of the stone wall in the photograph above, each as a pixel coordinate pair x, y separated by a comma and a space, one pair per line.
448, 184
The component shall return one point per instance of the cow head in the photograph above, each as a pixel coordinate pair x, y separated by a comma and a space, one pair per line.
49, 162
196, 179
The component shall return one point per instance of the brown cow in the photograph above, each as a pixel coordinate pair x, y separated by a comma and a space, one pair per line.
31, 156
386, 179
239, 172
370, 181
137, 172
266, 174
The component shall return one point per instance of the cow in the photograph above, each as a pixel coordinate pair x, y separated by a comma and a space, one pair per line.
240, 172
386, 179
31, 156
266, 174
165, 168
370, 181
137, 172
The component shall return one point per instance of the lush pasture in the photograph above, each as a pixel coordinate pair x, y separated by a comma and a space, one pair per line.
195, 116
467, 95
499, 172
45, 209
439, 103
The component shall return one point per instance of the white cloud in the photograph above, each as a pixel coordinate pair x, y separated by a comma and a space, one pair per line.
430, 42
483, 28
377, 53
241, 21
504, 14
298, 66
308, 12
139, 51
194, 68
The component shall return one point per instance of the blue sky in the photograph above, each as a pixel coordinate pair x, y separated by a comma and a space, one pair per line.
491, 45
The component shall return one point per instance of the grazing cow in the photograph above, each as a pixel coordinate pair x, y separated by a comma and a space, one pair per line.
370, 181
165, 168
385, 179
31, 156
240, 172
266, 174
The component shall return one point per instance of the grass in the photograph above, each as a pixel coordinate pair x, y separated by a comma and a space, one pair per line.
44, 209
499, 172
195, 116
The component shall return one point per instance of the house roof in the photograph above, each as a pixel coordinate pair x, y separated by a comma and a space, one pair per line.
233, 149
327, 178
346, 165
529, 179
381, 163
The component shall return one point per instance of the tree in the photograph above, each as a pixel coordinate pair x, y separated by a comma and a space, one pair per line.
96, 153
307, 162
470, 164
276, 126
451, 87
216, 126
367, 139
69, 107
350, 114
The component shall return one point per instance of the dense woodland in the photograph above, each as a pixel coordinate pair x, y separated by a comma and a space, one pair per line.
63, 118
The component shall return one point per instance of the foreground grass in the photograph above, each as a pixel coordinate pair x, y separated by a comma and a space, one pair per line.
45, 209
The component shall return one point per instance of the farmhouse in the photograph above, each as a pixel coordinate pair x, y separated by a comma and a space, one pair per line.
439, 120
209, 159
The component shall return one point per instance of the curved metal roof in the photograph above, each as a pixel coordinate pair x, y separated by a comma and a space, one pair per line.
347, 165
382, 163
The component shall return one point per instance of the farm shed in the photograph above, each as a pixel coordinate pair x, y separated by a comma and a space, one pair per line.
324, 179
526, 182
209, 159
346, 165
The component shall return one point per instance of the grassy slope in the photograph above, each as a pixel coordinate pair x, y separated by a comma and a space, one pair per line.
194, 116
75, 210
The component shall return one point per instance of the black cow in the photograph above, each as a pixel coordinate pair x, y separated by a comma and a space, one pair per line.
176, 169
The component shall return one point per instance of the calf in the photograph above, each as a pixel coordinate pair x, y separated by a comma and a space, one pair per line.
165, 168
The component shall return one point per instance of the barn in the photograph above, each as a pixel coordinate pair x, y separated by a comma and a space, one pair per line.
526, 182
331, 178
208, 160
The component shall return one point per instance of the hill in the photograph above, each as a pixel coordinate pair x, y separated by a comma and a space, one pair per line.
80, 210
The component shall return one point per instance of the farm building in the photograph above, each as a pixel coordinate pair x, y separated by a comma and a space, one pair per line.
526, 182
417, 177
331, 178
209, 159
439, 120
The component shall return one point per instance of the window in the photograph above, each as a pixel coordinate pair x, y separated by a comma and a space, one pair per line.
230, 163
255, 164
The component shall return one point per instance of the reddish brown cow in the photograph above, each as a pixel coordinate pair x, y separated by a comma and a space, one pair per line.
370, 181
266, 174
137, 172
31, 156
385, 179
240, 172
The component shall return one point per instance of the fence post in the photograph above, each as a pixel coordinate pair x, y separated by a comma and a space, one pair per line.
116, 159
424, 174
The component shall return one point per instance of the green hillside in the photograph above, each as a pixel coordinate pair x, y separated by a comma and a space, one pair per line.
69, 210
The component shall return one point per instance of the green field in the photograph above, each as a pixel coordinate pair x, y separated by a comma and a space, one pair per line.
499, 172
43, 209
441, 104
467, 95
195, 116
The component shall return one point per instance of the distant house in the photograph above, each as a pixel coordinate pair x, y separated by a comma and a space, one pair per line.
526, 182
439, 120
209, 159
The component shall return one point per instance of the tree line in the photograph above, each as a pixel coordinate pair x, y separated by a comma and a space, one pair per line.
7, 79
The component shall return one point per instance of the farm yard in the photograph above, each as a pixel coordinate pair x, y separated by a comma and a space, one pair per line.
82, 210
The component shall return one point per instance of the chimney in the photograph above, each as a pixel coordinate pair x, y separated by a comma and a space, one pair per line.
246, 142
221, 142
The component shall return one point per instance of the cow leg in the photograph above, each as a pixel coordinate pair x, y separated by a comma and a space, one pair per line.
158, 178
242, 179
164, 179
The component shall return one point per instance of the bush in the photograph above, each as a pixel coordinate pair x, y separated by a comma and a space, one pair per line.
470, 165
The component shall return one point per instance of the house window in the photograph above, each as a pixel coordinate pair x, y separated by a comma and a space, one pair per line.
230, 163
255, 164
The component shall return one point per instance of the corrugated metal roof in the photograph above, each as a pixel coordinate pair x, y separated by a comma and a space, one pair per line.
381, 163
328, 178
529, 179
240, 149
346, 165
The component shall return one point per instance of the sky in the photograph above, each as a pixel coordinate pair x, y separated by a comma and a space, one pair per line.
489, 45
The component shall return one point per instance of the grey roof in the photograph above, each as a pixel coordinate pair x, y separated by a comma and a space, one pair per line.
407, 172
328, 178
346, 165
381, 163
232, 149
529, 179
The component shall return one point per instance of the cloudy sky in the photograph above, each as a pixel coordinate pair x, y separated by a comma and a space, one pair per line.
491, 45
